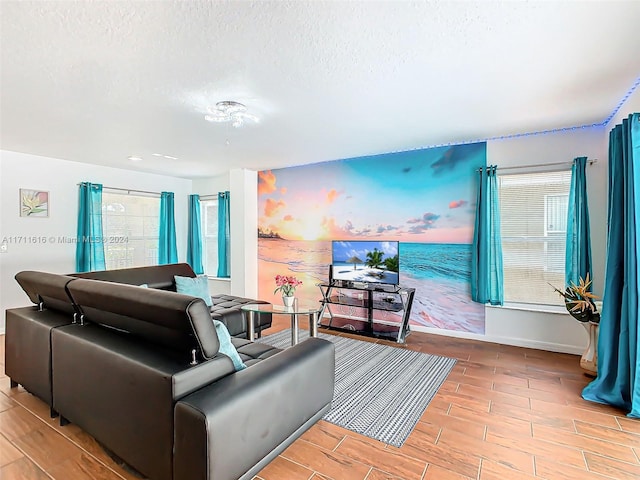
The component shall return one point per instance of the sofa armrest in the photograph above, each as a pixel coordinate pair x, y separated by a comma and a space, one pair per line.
234, 427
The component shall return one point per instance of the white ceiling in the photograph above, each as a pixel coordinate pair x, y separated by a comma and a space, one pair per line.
99, 81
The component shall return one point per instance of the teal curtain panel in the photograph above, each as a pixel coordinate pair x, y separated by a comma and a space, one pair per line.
618, 379
486, 255
194, 235
578, 246
89, 245
223, 235
167, 249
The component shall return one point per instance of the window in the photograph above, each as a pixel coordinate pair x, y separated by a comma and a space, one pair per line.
131, 228
533, 220
209, 217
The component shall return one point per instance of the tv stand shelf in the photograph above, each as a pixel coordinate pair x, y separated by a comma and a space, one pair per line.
353, 309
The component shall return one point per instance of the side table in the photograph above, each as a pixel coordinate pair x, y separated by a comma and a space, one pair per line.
294, 311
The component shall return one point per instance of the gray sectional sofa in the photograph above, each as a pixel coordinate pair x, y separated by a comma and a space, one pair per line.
142, 373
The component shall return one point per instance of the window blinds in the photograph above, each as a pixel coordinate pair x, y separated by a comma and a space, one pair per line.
533, 211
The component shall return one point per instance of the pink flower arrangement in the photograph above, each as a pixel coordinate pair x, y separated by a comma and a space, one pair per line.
286, 285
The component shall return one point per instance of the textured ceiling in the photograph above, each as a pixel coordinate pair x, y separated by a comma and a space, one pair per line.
99, 81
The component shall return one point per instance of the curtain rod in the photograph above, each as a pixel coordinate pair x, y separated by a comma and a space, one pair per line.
590, 162
128, 190
215, 195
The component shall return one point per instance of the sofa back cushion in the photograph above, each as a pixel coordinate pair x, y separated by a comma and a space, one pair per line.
157, 276
175, 321
50, 289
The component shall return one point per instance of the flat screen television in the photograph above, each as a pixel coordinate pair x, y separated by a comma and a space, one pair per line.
365, 261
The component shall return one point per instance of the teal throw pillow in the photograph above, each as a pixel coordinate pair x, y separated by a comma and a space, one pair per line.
194, 286
226, 347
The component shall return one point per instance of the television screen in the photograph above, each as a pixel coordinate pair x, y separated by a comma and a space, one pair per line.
365, 261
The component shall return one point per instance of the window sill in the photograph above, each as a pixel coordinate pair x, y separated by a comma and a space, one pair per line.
530, 307
219, 279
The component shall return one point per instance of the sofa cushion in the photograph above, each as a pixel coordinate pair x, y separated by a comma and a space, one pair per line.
194, 286
226, 308
253, 352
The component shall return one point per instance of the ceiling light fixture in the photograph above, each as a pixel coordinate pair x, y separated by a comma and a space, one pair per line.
229, 111
165, 156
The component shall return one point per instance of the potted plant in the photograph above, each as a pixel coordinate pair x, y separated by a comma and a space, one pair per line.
287, 285
579, 301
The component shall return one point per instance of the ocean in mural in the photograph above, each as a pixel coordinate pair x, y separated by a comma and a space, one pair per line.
424, 199
439, 272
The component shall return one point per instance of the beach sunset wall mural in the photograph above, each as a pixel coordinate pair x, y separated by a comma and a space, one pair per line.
424, 199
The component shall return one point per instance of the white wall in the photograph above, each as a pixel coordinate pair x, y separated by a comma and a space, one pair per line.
211, 185
244, 232
60, 179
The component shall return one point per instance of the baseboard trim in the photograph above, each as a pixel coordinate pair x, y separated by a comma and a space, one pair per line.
516, 342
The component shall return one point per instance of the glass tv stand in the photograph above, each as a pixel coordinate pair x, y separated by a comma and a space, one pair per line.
372, 310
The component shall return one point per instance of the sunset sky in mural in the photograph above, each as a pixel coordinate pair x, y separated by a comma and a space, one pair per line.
416, 196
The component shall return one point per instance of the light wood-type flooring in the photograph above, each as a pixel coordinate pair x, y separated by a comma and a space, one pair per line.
504, 413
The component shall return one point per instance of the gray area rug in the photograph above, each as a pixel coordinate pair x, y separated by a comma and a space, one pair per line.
381, 391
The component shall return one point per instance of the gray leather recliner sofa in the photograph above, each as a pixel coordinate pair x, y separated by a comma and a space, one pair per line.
143, 375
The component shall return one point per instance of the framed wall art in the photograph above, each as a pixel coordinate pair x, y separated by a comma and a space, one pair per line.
34, 203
